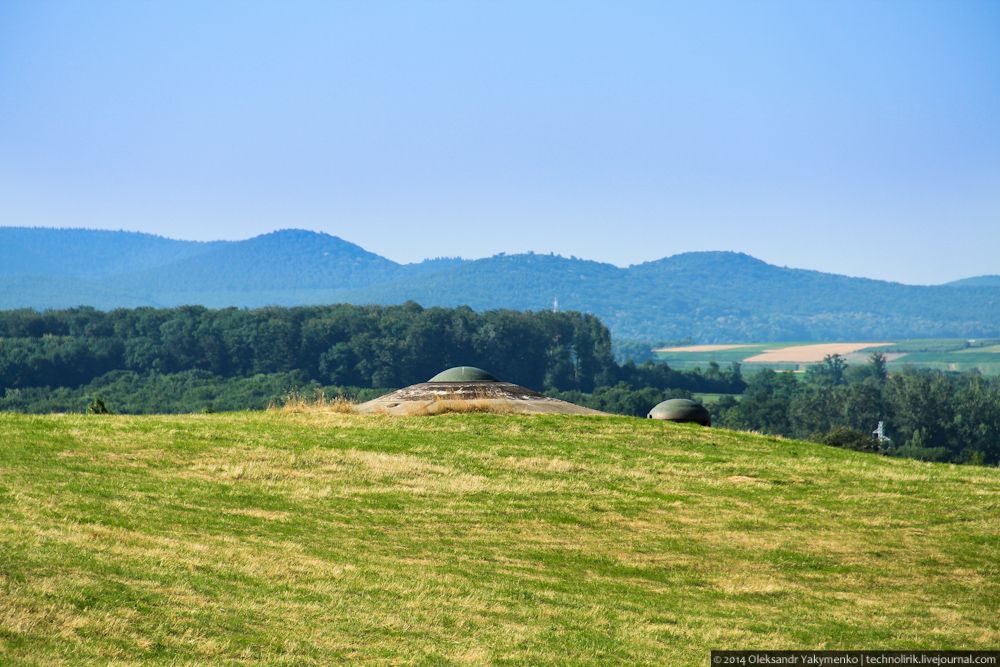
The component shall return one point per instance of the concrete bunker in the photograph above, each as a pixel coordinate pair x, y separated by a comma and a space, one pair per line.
468, 389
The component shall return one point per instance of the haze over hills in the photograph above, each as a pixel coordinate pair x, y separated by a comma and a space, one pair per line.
703, 296
87, 253
977, 281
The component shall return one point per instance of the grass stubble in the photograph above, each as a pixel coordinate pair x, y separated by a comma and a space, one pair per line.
308, 536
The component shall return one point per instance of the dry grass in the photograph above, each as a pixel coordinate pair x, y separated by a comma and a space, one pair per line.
442, 406
308, 537
318, 402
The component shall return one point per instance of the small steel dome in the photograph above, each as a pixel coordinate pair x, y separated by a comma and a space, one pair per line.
681, 410
463, 374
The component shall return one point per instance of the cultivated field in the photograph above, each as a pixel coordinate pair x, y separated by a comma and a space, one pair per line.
700, 348
303, 538
942, 354
811, 354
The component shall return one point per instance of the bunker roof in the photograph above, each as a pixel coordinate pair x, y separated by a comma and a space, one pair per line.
463, 374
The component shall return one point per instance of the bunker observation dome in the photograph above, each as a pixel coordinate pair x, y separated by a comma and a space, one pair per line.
681, 410
463, 374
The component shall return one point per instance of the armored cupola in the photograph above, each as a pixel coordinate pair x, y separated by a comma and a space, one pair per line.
681, 410
463, 374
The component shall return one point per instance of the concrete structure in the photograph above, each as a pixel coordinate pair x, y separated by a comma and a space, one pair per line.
681, 410
468, 389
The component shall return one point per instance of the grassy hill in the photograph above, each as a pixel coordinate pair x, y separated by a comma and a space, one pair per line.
309, 538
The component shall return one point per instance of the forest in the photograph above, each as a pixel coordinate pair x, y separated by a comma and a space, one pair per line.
195, 359
927, 414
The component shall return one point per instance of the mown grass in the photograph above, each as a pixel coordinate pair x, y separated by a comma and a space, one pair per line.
304, 538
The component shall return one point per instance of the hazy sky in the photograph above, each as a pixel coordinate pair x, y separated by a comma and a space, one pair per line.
852, 137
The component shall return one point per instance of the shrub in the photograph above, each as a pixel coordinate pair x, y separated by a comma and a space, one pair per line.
849, 438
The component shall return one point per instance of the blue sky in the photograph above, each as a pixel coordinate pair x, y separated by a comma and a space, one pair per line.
851, 137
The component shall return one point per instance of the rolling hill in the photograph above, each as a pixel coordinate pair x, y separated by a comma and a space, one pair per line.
313, 538
283, 260
703, 296
977, 281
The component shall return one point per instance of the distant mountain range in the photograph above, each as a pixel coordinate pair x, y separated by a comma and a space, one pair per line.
700, 296
977, 281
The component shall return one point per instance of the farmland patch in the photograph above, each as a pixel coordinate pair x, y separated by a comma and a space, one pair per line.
700, 348
805, 354
946, 354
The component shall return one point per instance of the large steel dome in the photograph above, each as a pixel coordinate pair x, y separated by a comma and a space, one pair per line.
681, 410
463, 374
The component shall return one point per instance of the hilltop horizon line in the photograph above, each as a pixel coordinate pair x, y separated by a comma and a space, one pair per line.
289, 231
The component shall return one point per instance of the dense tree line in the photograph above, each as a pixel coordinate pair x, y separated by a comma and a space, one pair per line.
621, 399
927, 414
128, 392
340, 345
367, 346
192, 358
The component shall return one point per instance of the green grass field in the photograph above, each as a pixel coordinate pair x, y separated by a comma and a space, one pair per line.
946, 354
310, 538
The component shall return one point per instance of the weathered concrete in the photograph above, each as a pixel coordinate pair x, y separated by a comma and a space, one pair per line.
429, 398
